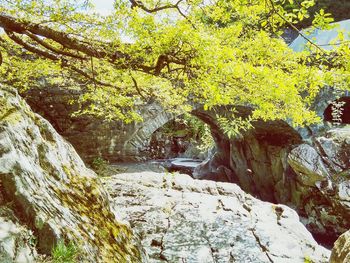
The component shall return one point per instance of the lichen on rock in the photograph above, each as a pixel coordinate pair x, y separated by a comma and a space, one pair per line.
52, 190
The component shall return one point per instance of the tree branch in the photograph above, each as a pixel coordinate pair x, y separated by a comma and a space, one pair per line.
12, 24
294, 27
64, 62
53, 49
138, 3
29, 47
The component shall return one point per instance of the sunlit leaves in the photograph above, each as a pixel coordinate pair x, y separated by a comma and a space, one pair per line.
209, 53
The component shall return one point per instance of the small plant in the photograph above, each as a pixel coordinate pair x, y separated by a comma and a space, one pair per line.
206, 141
100, 166
99, 163
63, 253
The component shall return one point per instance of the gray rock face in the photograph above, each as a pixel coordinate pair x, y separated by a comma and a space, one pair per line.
51, 189
257, 160
273, 163
16, 241
305, 160
334, 147
322, 183
341, 249
180, 219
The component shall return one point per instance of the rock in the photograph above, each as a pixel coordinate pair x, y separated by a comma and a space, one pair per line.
256, 160
135, 167
182, 165
305, 160
273, 163
180, 219
341, 249
334, 146
16, 241
53, 192
322, 185
92, 136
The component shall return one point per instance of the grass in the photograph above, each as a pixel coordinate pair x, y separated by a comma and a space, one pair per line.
63, 253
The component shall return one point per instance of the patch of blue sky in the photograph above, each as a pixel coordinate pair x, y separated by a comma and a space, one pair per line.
103, 7
323, 38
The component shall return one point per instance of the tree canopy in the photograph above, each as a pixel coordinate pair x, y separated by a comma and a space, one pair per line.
179, 53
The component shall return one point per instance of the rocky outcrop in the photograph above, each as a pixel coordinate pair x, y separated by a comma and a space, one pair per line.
180, 219
321, 190
53, 192
257, 160
341, 249
306, 169
273, 163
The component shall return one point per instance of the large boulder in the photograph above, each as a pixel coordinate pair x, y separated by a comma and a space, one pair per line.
52, 191
180, 219
321, 190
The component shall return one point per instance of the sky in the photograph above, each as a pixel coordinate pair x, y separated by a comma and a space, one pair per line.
103, 6
323, 37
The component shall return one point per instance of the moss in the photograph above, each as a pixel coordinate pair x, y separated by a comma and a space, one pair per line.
9, 114
100, 227
308, 260
66, 170
8, 111
39, 222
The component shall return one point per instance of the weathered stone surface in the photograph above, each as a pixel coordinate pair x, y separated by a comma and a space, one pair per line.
92, 136
180, 219
306, 161
341, 249
322, 183
51, 189
272, 163
257, 160
16, 241
334, 146
315, 181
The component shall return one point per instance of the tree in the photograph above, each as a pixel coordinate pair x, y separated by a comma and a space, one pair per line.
178, 52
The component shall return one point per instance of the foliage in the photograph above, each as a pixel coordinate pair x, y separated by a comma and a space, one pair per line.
191, 129
62, 253
235, 125
201, 134
206, 140
178, 53
98, 163
102, 167
337, 111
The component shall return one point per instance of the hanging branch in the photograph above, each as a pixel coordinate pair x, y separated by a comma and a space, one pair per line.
139, 4
295, 28
137, 87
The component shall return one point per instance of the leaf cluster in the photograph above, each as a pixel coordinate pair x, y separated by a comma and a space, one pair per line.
180, 54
